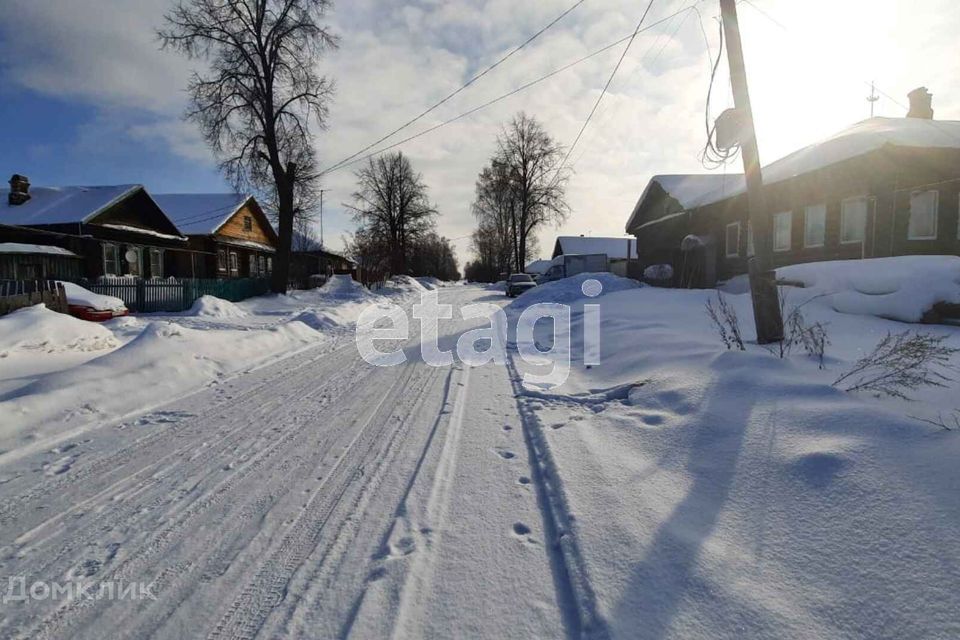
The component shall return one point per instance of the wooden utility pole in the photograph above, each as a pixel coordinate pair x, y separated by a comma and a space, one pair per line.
763, 286
322, 191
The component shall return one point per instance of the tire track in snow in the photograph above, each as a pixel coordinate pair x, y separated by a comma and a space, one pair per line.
570, 573
268, 587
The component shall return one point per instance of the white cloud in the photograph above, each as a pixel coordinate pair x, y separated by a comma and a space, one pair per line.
397, 59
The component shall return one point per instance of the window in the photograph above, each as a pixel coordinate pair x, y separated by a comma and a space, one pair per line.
253, 265
221, 260
247, 223
111, 260
134, 259
853, 220
234, 263
782, 223
156, 263
733, 240
269, 265
814, 225
263, 265
923, 215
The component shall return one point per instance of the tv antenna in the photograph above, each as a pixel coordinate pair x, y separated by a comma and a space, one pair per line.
872, 98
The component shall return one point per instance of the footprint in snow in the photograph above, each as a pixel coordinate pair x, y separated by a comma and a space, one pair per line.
506, 455
521, 529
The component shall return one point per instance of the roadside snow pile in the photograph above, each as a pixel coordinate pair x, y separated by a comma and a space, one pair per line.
213, 307
39, 329
77, 295
343, 286
713, 494
164, 362
430, 283
571, 289
317, 320
402, 285
901, 288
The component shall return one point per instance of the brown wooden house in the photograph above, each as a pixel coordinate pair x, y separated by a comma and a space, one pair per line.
230, 236
116, 231
883, 187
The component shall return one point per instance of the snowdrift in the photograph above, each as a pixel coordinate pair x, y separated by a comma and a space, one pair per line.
570, 289
900, 288
213, 307
39, 329
77, 295
165, 361
343, 286
402, 285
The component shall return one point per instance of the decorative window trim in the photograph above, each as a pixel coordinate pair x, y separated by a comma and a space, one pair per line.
726, 238
806, 226
159, 254
234, 263
222, 264
789, 216
936, 214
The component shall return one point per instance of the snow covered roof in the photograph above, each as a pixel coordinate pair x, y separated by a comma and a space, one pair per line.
857, 140
537, 267
60, 205
200, 213
687, 189
34, 249
615, 248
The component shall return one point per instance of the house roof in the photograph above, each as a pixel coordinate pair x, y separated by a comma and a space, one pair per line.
62, 205
197, 214
615, 248
856, 140
687, 189
537, 266
35, 249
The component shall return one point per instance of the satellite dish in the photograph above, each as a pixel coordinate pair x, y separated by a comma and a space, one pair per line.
131, 256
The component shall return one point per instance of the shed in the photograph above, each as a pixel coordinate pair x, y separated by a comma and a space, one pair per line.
20, 261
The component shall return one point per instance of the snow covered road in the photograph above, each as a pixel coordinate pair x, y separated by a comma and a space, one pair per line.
318, 496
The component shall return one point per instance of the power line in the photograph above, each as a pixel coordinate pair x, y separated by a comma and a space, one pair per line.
511, 93
462, 88
605, 87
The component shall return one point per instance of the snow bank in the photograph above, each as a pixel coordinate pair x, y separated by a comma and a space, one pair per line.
568, 290
733, 494
77, 295
430, 283
39, 329
163, 362
402, 285
901, 288
213, 307
344, 286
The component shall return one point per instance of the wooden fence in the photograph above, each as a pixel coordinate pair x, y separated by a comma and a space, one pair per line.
17, 294
156, 296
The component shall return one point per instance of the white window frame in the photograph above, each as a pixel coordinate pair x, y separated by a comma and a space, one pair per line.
117, 271
269, 264
222, 266
789, 217
262, 264
806, 226
252, 265
726, 238
936, 214
233, 261
843, 217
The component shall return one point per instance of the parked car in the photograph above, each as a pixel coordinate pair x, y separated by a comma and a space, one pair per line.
517, 283
87, 305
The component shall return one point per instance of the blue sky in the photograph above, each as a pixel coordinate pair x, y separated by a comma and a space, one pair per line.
86, 96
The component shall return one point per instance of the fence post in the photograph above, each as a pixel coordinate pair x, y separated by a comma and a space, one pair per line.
187, 294
141, 296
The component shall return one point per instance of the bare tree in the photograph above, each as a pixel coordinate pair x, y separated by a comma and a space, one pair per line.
536, 180
392, 208
256, 104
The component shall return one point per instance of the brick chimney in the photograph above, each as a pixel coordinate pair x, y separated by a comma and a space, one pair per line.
921, 104
19, 189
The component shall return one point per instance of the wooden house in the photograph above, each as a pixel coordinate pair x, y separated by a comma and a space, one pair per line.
309, 259
229, 234
20, 261
115, 230
882, 187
